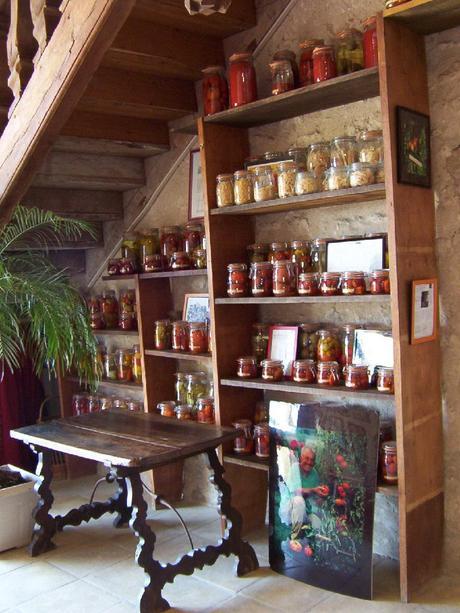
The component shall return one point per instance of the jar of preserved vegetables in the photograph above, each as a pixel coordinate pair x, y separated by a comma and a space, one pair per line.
181, 387
171, 241
304, 371
282, 77
284, 278
370, 146
301, 256
272, 370
106, 403
180, 336
259, 341
192, 237
261, 412
96, 319
357, 377
109, 308
163, 334
128, 315
110, 366
184, 412
125, 365
224, 190
380, 282
279, 251
197, 387
198, 337
288, 56
370, 45
337, 178
306, 60
113, 267
243, 187
215, 90
348, 343
137, 364
180, 260
155, 263
344, 151
199, 259
257, 252
94, 404
329, 347
329, 284
79, 404
244, 443
167, 408
324, 66
305, 183
134, 406
389, 462
120, 403
130, 247
261, 279
262, 440
385, 379
205, 413
237, 283
349, 51
247, 367
361, 173
328, 373
243, 83
127, 266
264, 184
353, 283
149, 244
379, 173
299, 156
318, 254
319, 159
308, 284
308, 341
286, 179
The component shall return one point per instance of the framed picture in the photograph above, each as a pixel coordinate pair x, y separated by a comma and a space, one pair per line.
282, 345
196, 307
366, 254
195, 193
424, 321
373, 348
414, 153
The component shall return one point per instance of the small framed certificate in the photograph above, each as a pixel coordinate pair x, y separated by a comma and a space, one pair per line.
282, 345
424, 324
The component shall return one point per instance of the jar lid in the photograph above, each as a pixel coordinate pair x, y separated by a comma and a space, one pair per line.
261, 265
358, 367
309, 327
385, 369
200, 252
324, 49
281, 65
273, 155
384, 272
247, 358
166, 402
278, 245
271, 363
258, 247
197, 324
299, 244
350, 327
180, 254
370, 134
361, 166
319, 242
261, 427
240, 57
204, 400
180, 323
345, 138
311, 42
260, 326
184, 408
282, 263
240, 174
181, 375
322, 143
327, 365
330, 275
369, 21
287, 165
348, 32
237, 266
352, 274
389, 446
224, 177
213, 69
305, 362
193, 225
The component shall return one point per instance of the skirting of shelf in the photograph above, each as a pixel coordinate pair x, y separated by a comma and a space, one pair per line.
117, 332
368, 298
299, 388
177, 355
426, 16
335, 92
158, 275
128, 386
364, 193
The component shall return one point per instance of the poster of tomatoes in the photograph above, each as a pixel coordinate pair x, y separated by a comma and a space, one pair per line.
414, 151
323, 477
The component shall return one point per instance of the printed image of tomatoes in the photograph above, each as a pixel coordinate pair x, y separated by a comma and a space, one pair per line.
308, 551
295, 546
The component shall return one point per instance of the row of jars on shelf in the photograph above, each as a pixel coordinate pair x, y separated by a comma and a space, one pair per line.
108, 313
183, 336
194, 399
84, 403
124, 365
350, 51
202, 411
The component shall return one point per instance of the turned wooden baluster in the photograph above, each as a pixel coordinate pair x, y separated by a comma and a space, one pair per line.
45, 17
6, 97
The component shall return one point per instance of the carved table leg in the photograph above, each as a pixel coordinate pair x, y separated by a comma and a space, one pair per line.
247, 559
151, 599
41, 538
124, 512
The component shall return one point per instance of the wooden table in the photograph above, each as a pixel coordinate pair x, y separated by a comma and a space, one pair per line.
129, 444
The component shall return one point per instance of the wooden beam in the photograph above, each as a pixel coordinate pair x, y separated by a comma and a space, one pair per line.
100, 146
158, 49
54, 89
45, 17
91, 205
120, 92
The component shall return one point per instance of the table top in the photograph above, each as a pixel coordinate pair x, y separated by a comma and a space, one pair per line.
124, 439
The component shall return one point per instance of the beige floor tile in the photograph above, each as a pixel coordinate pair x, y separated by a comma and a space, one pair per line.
87, 559
124, 580
441, 594
27, 582
239, 604
190, 594
345, 604
14, 558
223, 573
122, 607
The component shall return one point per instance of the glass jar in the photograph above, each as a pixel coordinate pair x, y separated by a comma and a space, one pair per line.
199, 259
370, 44
197, 387
125, 365
278, 251
243, 83
299, 156
184, 412
128, 315
380, 282
224, 190
301, 256
137, 364
192, 237
243, 187
259, 341
180, 336
305, 183
282, 77
198, 337
262, 440
308, 341
329, 348
257, 252
324, 66
79, 404
349, 51
205, 413
261, 412
127, 266
261, 279
149, 244
106, 403
214, 90
348, 344
357, 377
353, 283
247, 367
344, 151
284, 278
110, 366
286, 179
94, 404
237, 283
379, 173
109, 308
370, 146
272, 370
244, 443
319, 159
96, 320
385, 379
329, 284
304, 371
162, 334
306, 60
120, 403
113, 267
155, 263
167, 408
130, 247
180, 260
328, 373
361, 173
264, 184
171, 241
319, 254
308, 284
181, 387
134, 406
288, 56
337, 178
389, 462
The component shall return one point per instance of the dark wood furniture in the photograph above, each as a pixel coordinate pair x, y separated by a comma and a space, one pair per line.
130, 444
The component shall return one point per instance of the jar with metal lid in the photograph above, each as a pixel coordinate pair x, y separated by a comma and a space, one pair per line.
259, 341
284, 278
301, 256
308, 341
328, 373
305, 183
243, 187
167, 408
370, 146
282, 77
94, 404
370, 44
96, 320
337, 178
171, 241
113, 267
329, 284
244, 443
106, 403
380, 282
329, 348
308, 284
286, 179
198, 337
261, 412
130, 247
357, 377
125, 365
348, 343
155, 263
197, 387
324, 66
127, 266
319, 254
272, 370
349, 51
261, 276
110, 366
180, 260
385, 379
137, 364
237, 282
120, 403
389, 462
262, 440
127, 306
288, 56
279, 251
243, 83
304, 371
299, 156
353, 283
264, 184
344, 151
257, 252
149, 244
379, 170
184, 412
214, 90
181, 387
319, 159
199, 259
162, 334
192, 237
109, 309
306, 60
180, 336
205, 413
79, 404
224, 190
247, 367
361, 173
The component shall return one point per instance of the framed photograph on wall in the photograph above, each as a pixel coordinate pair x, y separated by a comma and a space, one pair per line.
424, 320
195, 193
196, 307
414, 153
282, 345
360, 253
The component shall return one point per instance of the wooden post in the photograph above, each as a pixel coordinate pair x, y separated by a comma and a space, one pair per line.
45, 17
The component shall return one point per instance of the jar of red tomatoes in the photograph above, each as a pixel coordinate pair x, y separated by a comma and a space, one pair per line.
180, 260
171, 241
329, 348
328, 373
329, 284
357, 377
237, 283
167, 408
247, 367
262, 440
380, 282
155, 263
282, 77
261, 279
96, 320
306, 60
389, 462
180, 336
128, 314
184, 412
348, 343
215, 90
353, 283
304, 371
113, 267
308, 284
243, 83
257, 252
244, 443
385, 379
163, 334
284, 278
198, 337
272, 370
205, 411
79, 404
324, 66
109, 308
125, 365
261, 412
279, 251
192, 237
94, 403
370, 45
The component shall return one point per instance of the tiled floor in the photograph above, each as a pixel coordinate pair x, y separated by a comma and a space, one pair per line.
93, 571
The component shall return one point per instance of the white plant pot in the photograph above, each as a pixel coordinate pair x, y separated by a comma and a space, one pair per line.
16, 506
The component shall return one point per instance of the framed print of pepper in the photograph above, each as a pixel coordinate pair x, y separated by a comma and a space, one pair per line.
414, 152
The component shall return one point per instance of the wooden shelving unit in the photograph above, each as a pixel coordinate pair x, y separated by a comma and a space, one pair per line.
168, 274
325, 300
426, 16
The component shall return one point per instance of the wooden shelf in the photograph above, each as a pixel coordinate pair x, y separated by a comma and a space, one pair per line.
177, 355
119, 384
335, 92
118, 277
116, 332
317, 200
303, 388
157, 275
426, 16
368, 298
